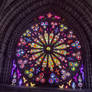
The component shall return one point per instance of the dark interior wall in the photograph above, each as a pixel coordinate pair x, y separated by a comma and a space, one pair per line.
1, 2
10, 1
33, 90
89, 1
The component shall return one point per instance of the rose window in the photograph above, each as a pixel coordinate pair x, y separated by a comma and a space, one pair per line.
48, 54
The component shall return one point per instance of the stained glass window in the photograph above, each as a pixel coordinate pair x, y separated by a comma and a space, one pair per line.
48, 54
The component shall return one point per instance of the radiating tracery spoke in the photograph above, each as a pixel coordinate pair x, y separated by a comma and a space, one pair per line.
51, 36
50, 63
49, 54
39, 60
56, 37
56, 61
46, 37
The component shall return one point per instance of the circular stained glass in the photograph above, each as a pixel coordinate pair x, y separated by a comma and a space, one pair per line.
48, 54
